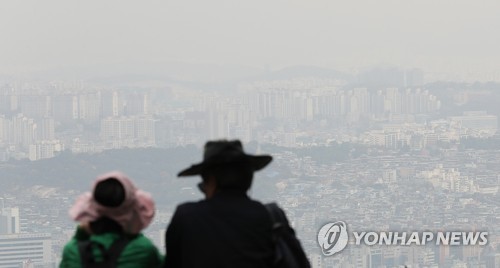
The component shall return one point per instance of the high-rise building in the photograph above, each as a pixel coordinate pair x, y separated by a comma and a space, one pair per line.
218, 126
112, 104
45, 130
4, 129
35, 106
5, 103
362, 99
145, 130
19, 130
9, 221
393, 100
89, 107
43, 150
19, 250
64, 108
128, 131
377, 103
138, 104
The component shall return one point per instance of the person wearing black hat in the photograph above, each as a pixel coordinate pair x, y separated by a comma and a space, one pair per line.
227, 228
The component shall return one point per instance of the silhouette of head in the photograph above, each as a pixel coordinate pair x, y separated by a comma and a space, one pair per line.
230, 176
226, 166
109, 193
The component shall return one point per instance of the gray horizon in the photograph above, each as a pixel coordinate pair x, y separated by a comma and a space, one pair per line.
449, 37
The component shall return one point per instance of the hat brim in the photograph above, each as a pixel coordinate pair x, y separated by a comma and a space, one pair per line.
257, 162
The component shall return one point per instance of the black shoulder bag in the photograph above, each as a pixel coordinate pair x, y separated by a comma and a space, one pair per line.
109, 257
288, 251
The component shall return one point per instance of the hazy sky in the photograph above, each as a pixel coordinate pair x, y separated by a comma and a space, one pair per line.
437, 35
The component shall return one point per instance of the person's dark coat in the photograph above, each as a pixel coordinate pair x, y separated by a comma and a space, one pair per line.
227, 230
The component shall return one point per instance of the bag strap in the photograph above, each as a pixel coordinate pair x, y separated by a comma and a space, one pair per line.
116, 249
277, 215
276, 226
86, 250
283, 233
109, 257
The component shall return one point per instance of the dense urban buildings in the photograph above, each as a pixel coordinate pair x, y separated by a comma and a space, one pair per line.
411, 157
39, 121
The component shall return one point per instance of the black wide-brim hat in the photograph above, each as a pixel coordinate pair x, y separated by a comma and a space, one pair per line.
224, 152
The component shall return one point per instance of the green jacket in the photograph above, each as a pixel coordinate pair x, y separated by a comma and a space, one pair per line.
139, 252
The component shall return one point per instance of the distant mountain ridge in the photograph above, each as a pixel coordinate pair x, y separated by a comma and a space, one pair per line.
179, 72
301, 71
152, 169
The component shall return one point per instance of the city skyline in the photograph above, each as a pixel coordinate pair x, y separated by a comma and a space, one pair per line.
381, 114
375, 156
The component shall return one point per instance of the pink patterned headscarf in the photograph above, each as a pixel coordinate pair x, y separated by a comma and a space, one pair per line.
134, 214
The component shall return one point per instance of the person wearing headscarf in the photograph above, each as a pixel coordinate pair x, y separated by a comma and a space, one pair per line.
115, 210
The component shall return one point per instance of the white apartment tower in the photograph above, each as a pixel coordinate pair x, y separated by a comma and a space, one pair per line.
18, 250
9, 221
